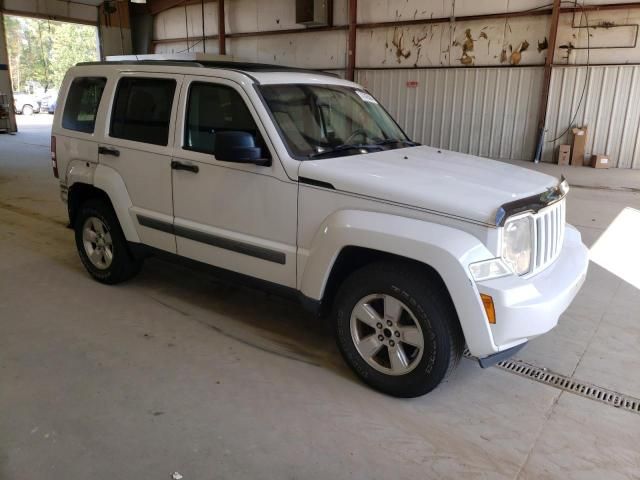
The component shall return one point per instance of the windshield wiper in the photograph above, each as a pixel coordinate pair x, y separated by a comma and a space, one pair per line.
392, 141
364, 146
344, 147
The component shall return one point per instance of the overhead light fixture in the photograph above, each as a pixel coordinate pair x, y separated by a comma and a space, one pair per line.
138, 1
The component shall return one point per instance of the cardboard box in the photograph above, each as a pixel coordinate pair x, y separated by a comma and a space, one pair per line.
600, 161
579, 143
564, 154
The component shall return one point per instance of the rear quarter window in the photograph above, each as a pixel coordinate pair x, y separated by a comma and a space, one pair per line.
81, 106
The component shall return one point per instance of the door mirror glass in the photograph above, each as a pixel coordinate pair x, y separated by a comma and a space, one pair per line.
239, 147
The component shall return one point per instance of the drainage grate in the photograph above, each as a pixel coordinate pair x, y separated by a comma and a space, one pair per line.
584, 389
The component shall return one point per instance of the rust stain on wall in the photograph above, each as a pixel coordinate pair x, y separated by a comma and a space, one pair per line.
503, 55
605, 24
543, 45
516, 55
467, 46
417, 42
397, 42
568, 47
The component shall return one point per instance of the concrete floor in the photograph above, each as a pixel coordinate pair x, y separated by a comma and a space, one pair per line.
176, 372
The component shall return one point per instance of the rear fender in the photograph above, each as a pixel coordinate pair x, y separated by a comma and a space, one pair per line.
110, 182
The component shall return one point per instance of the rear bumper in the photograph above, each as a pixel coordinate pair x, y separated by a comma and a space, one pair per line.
528, 307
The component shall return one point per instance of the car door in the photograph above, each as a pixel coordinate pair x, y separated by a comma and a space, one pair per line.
138, 144
237, 216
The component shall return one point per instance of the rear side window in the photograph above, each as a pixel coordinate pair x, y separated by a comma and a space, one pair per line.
82, 103
142, 110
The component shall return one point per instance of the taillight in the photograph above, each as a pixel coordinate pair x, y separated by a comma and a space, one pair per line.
54, 161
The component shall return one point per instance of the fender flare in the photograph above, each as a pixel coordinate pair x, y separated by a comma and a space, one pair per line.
447, 250
110, 182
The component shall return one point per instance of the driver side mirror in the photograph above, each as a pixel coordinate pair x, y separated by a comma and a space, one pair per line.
238, 147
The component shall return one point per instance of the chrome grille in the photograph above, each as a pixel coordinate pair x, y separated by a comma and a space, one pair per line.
548, 235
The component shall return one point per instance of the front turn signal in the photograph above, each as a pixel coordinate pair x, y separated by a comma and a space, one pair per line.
487, 301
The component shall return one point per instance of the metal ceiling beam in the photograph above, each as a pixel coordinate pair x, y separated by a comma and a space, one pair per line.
53, 18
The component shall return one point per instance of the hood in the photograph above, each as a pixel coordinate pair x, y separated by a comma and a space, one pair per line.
439, 180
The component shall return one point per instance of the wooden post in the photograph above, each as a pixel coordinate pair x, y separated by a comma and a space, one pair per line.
546, 85
351, 39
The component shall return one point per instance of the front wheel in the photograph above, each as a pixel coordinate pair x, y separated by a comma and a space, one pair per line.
101, 244
27, 110
397, 329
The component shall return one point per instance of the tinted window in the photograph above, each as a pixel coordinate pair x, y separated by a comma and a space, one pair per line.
215, 108
142, 110
82, 104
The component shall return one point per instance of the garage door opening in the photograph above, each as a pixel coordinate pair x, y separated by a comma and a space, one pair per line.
40, 52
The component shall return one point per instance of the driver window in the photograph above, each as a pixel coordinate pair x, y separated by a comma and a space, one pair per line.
213, 108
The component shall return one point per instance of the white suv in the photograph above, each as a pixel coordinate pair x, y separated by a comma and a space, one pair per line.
302, 182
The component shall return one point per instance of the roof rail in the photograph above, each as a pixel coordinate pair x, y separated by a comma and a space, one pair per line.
169, 63
242, 67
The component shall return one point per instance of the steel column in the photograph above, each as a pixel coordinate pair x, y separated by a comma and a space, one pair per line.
351, 39
222, 42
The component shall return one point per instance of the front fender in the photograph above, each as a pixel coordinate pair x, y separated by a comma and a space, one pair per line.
447, 250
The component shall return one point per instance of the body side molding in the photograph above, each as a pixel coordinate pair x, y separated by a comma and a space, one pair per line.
215, 240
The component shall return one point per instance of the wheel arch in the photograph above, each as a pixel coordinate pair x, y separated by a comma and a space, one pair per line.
78, 194
352, 258
349, 239
106, 184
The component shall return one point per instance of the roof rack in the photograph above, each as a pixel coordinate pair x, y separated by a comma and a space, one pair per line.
169, 63
243, 67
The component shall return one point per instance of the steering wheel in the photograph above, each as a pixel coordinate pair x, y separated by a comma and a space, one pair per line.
355, 134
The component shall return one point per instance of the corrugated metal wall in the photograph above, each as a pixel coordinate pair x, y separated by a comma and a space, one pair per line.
610, 109
490, 112
474, 84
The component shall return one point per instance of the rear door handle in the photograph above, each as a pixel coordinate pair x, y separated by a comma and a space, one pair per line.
189, 167
109, 151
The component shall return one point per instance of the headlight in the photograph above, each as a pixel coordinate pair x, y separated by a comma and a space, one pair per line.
517, 238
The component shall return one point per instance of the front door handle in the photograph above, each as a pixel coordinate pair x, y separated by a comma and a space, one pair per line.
108, 151
189, 167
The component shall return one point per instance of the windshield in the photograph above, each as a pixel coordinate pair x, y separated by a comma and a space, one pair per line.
331, 120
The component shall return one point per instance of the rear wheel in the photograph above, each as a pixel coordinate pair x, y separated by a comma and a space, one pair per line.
101, 244
27, 110
396, 329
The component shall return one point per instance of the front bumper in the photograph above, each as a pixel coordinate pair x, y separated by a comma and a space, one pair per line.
528, 307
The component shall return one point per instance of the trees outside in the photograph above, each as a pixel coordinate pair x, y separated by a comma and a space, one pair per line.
41, 51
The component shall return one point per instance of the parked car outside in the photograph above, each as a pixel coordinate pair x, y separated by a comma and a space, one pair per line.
300, 182
25, 104
51, 109
46, 100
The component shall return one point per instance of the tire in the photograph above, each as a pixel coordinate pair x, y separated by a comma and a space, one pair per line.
399, 366
104, 253
27, 110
